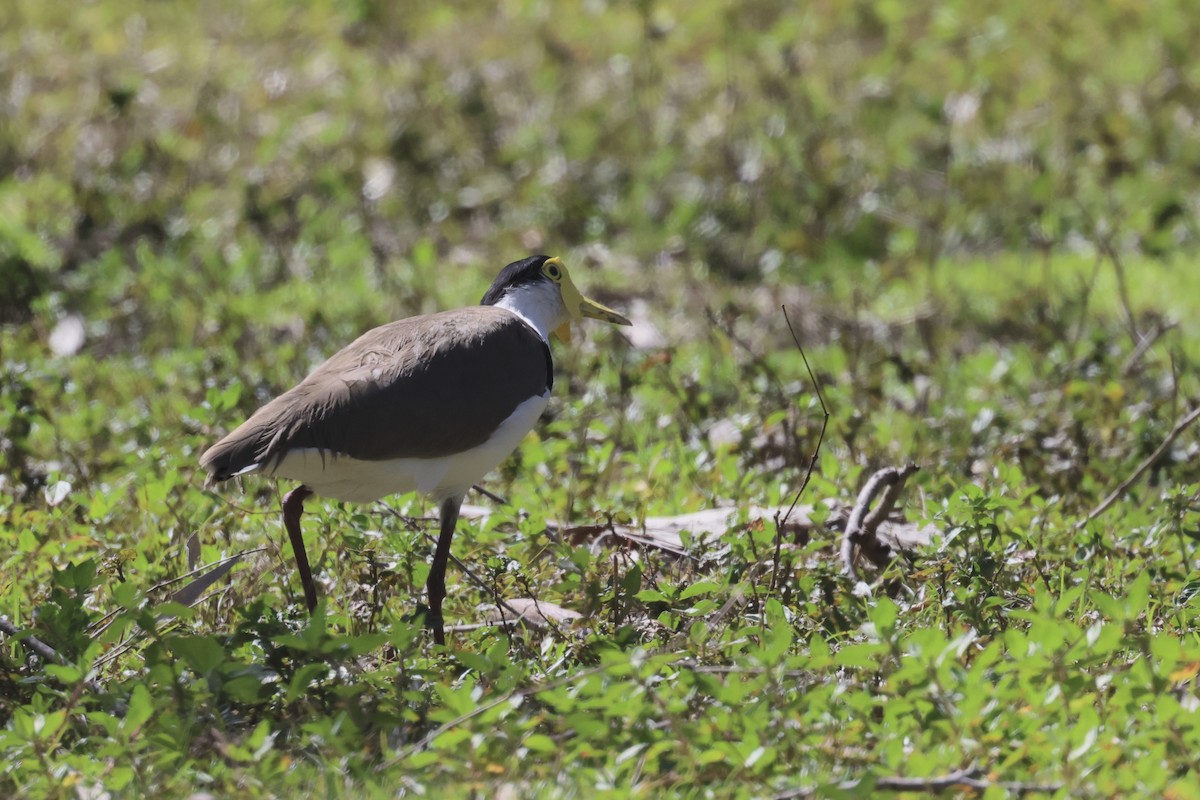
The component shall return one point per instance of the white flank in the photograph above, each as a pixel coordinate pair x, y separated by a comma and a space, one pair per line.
341, 477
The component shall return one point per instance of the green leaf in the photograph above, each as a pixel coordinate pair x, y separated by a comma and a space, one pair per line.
202, 653
67, 673
140, 708
1138, 597
304, 678
699, 588
860, 656
540, 743
451, 739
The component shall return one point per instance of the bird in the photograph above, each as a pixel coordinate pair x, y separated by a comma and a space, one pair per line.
430, 403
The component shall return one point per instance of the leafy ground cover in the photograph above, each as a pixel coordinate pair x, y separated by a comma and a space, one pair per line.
981, 220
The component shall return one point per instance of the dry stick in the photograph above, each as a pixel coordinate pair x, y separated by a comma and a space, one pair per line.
46, 653
1144, 345
495, 498
965, 778
1122, 289
537, 607
1105, 246
812, 461
429, 537
500, 603
31, 642
509, 625
491, 590
891, 494
1150, 460
759, 361
1083, 306
40, 648
861, 525
99, 626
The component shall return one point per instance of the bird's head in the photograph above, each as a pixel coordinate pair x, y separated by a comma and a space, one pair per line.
539, 289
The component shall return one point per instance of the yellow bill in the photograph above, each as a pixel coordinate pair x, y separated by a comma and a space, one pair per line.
579, 307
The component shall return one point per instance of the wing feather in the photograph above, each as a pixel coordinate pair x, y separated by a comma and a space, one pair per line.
417, 388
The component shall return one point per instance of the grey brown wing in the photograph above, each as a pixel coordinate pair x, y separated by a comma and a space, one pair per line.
399, 391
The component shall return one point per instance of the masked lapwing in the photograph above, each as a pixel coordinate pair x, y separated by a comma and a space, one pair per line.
429, 404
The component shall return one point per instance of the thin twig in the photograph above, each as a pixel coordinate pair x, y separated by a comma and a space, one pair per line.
495, 498
100, 625
491, 590
524, 581
1088, 288
467, 627
812, 461
967, 778
1144, 345
1149, 461
479, 582
1105, 246
759, 361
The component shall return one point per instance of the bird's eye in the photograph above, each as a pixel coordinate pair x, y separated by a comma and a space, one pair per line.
552, 271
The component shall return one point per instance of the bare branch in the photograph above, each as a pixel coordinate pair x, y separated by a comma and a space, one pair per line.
495, 498
46, 653
780, 522
863, 524
31, 642
1106, 248
1141, 469
1144, 346
891, 493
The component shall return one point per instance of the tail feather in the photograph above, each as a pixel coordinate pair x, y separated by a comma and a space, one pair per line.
238, 453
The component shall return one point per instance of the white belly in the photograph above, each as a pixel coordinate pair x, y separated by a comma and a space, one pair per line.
332, 474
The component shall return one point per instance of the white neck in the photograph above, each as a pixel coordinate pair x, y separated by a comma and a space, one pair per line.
540, 304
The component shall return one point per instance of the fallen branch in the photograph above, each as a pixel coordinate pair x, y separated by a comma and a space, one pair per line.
45, 652
863, 525
1141, 469
530, 611
31, 642
709, 525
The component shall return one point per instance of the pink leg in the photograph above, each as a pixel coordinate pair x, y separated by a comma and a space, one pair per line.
293, 507
436, 584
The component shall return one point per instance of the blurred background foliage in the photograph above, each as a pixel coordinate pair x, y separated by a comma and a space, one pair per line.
265, 140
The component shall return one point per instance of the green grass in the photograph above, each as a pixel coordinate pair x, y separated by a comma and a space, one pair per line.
224, 197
